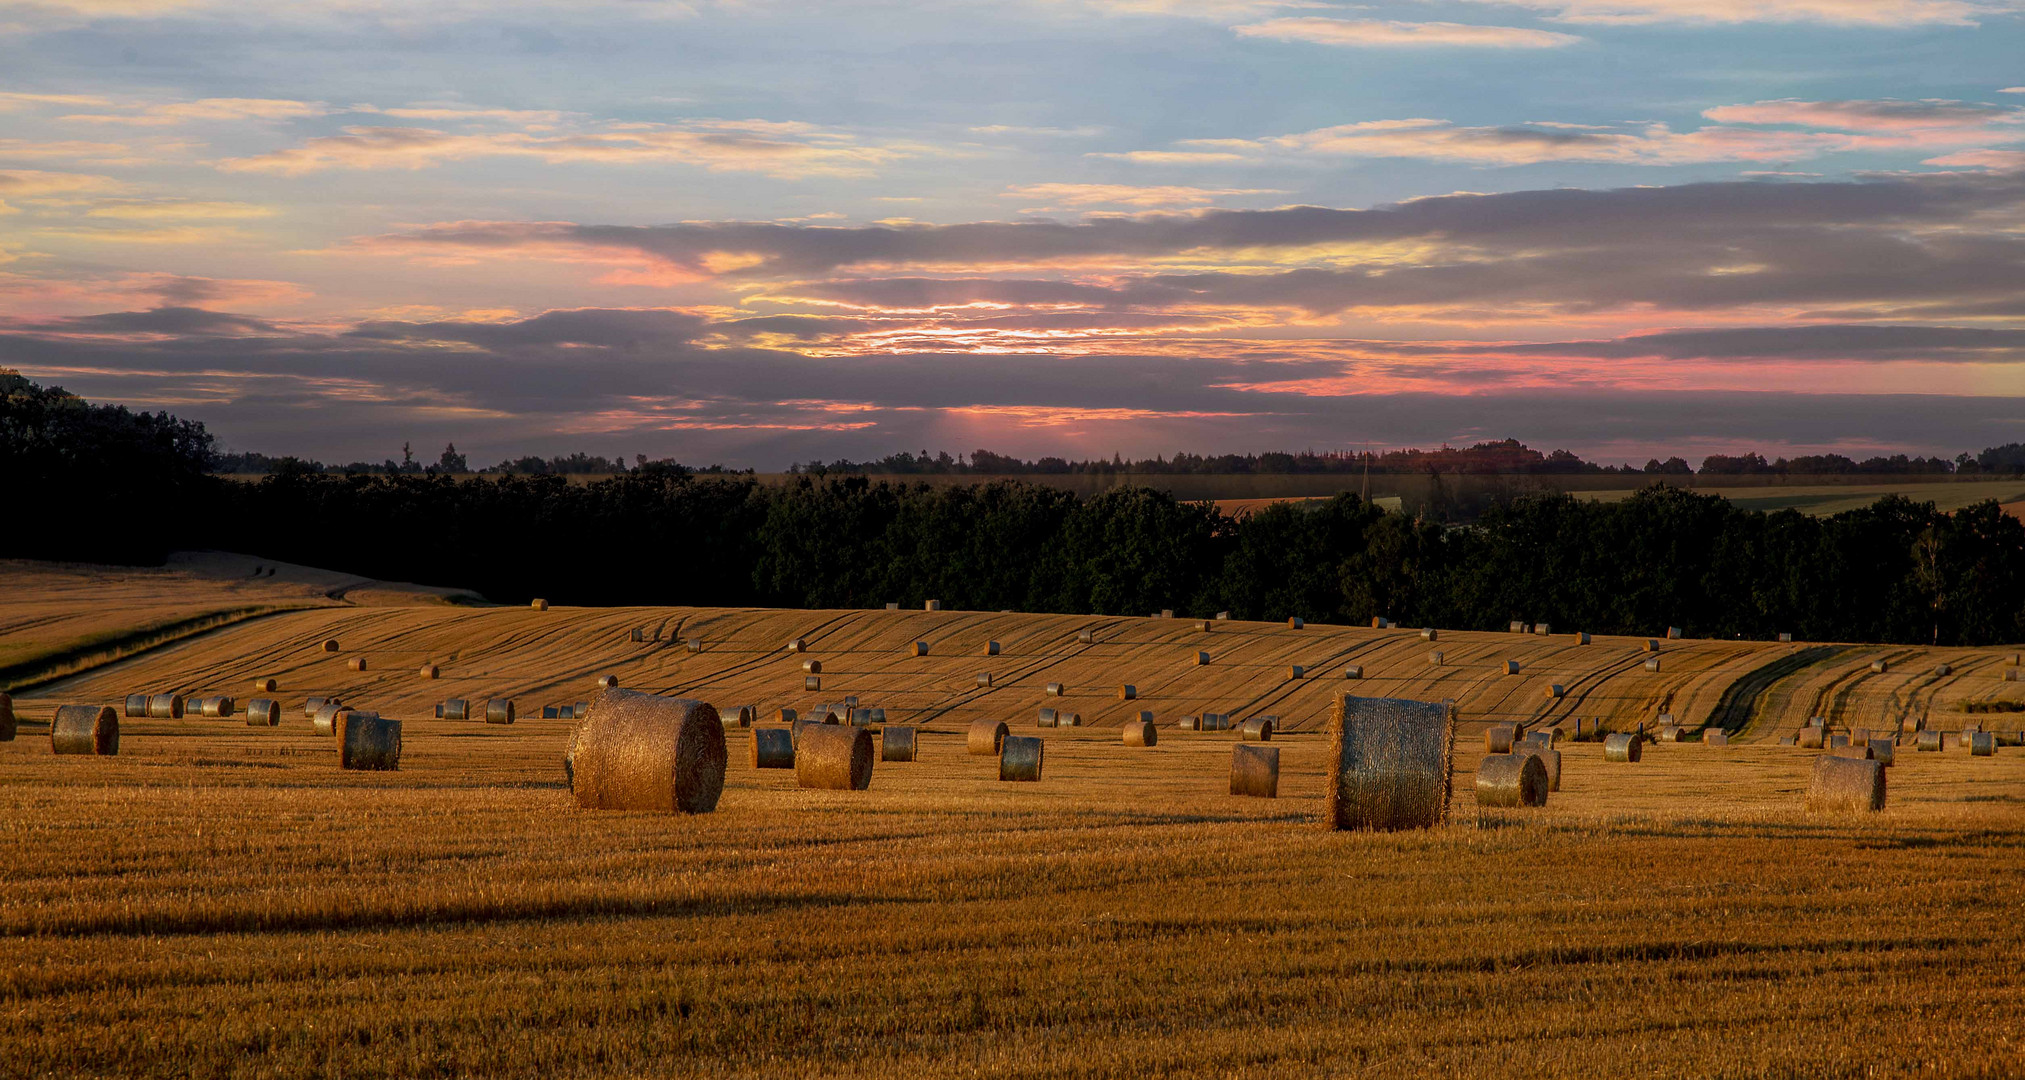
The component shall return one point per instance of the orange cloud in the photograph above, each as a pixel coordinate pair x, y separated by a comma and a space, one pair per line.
204, 109
1880, 13
1386, 33
1127, 194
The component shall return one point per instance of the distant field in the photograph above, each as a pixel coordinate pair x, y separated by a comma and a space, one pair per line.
1822, 500
223, 901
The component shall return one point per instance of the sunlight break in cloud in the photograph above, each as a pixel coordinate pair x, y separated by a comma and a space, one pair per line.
1128, 195
1385, 33
1877, 13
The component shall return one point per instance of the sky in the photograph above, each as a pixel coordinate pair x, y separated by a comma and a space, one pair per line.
757, 232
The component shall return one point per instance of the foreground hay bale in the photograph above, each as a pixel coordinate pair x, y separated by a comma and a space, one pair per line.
1944, 670
85, 729
742, 715
1813, 738
1622, 746
1511, 780
1257, 729
1498, 738
137, 705
1542, 630
986, 737
1255, 771
1389, 763
1141, 732
264, 686
499, 711
369, 742
1019, 759
1188, 723
165, 706
773, 748
640, 751
834, 758
1846, 785
898, 743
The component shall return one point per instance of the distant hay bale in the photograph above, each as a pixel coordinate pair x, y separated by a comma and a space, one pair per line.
1715, 737
1354, 671
1223, 616
640, 751
330, 645
1930, 742
1556, 690
1879, 666
932, 605
1019, 759
219, 706
608, 682
1813, 738
2013, 674
1622, 746
1651, 645
1201, 659
1582, 638
812, 667
1837, 740
985, 737
539, 605
798, 645
811, 683
1204, 626
1817, 721
1517, 627
356, 663
1669, 733
1257, 729
1068, 719
1944, 670
1498, 738
1673, 633
1884, 751
9, 726
1982, 744
1434, 659
1788, 740
430, 671
1785, 637
137, 705
1512, 667
1652, 664
898, 743
1858, 753
1549, 758
1511, 780
1128, 692
1255, 771
695, 645
165, 706
439, 710
325, 722
1846, 785
551, 712
1389, 763
861, 718
1053, 689
264, 686
834, 759
920, 648
1377, 622
984, 680
773, 748
499, 711
638, 634
310, 704
785, 715
1295, 623
1541, 630
457, 709
1188, 723
742, 715
1430, 634
1086, 637
85, 729
369, 742
991, 648
892, 606
1141, 733
1543, 738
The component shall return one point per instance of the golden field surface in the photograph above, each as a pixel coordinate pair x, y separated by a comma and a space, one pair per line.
219, 900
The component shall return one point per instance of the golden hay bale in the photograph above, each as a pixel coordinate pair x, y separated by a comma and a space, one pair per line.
85, 729
920, 648
1201, 659
265, 686
798, 645
1141, 733
932, 605
811, 683
1883, 750
312, 703
1550, 759
1944, 670
356, 663
1053, 689
218, 706
1128, 692
1556, 690
1517, 627
1622, 746
640, 751
986, 736
860, 717
773, 748
457, 709
369, 742
1673, 633
1930, 742
1257, 729
1846, 785
1295, 623
1715, 737
834, 759
1512, 667
430, 671
499, 711
1859, 753
1434, 659
1672, 733
1582, 638
1204, 626
539, 605
1019, 759
1982, 744
742, 715
1498, 738
984, 680
165, 706
991, 648
1652, 664
608, 682
1512, 780
1651, 645
1188, 723
330, 645
1086, 637
1047, 718
1255, 771
1879, 666
812, 667
694, 645
137, 705
1068, 719
898, 743
785, 715
1430, 634
1390, 763
1354, 671
1835, 741
1788, 740
1377, 622
325, 722
1542, 630
9, 726
1296, 671
263, 712
1813, 738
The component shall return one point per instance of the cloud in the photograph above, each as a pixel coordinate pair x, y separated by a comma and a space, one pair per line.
1880, 115
1079, 195
2001, 160
1392, 34
1041, 132
1172, 157
203, 110
51, 189
1866, 13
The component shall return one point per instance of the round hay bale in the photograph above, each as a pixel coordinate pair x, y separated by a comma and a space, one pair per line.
1582, 638
812, 667
219, 706
1019, 758
1517, 627
1673, 633
897, 743
1053, 689
1068, 719
785, 715
986, 737
1788, 740
1255, 771
1086, 637
1498, 738
325, 722
1652, 665
263, 712
1672, 733
1715, 737
430, 671
740, 715
773, 748
1542, 630
137, 705
1204, 626
1883, 751
1837, 741
798, 645
608, 682
1550, 759
1930, 742
1128, 692
356, 663
1354, 671
1944, 670
834, 759
694, 645
920, 648
1846, 785
1430, 634
1257, 729
811, 683
1512, 780
457, 709
369, 742
539, 604
1879, 666
499, 711
1434, 659
638, 751
1296, 671
1390, 763
330, 645
85, 729
264, 686
861, 717
1982, 744
1622, 746
991, 648
1817, 721
984, 680
1188, 723
1047, 718
1813, 738
165, 706
932, 605
1511, 667
1141, 733
1201, 659
9, 726
1295, 623
1556, 690
311, 704
1651, 645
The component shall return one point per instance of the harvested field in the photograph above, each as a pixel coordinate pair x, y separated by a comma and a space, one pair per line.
221, 900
